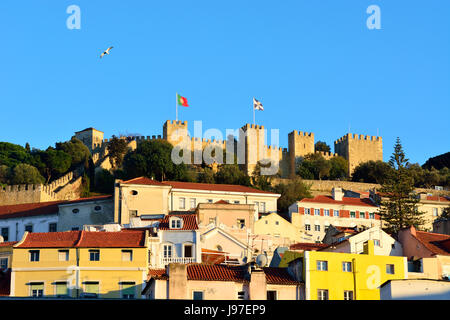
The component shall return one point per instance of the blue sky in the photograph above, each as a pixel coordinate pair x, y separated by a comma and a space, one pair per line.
314, 65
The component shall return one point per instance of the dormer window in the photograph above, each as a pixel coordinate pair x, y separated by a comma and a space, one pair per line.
175, 223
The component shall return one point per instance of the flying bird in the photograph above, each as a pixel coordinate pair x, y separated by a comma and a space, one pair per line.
105, 52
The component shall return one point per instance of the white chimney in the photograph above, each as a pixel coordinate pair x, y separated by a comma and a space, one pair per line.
337, 194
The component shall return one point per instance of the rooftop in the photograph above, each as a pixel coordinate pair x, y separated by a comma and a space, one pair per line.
438, 244
360, 202
189, 222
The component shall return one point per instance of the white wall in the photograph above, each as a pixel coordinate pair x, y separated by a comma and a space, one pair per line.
17, 225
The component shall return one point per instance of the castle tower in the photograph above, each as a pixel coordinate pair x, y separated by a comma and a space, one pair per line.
254, 138
359, 148
91, 137
300, 144
174, 131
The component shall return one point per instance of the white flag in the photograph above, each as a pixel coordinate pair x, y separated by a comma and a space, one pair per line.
257, 105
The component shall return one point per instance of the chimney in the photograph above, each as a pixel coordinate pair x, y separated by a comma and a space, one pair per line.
258, 285
177, 281
337, 194
412, 230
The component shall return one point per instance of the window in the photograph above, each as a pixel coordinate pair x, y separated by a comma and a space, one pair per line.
277, 222
134, 192
127, 255
210, 201
75, 228
94, 255
133, 213
241, 295
167, 251
52, 227
175, 223
307, 211
37, 289
346, 266
3, 263
336, 213
322, 294
257, 205
362, 215
197, 295
34, 255
307, 227
376, 242
97, 208
128, 290
237, 202
188, 251
317, 212
63, 255
390, 269
91, 289
352, 214
212, 220
322, 265
326, 212
193, 203
182, 204
267, 222
371, 215
29, 228
326, 228
61, 289
263, 207
5, 234
348, 295
316, 227
271, 295
76, 210
241, 223
435, 212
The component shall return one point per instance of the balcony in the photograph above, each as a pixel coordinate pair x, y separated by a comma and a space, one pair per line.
183, 260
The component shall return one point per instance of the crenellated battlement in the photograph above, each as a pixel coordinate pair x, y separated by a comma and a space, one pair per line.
351, 136
326, 155
252, 126
301, 133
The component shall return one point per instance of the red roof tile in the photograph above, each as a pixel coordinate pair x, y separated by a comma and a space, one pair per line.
5, 283
222, 202
213, 256
437, 198
7, 244
158, 274
215, 272
189, 222
103, 239
29, 209
307, 246
365, 202
214, 187
102, 197
84, 239
435, 242
144, 181
279, 276
65, 239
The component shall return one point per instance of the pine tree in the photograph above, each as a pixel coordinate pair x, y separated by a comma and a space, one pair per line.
399, 208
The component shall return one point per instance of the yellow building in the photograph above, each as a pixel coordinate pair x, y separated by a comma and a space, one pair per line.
345, 276
276, 226
80, 264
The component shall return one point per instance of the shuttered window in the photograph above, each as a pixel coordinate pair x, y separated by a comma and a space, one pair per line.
91, 288
128, 290
37, 289
61, 289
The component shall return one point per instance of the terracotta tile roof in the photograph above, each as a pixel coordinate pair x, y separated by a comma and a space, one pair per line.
41, 208
216, 272
222, 202
279, 276
7, 243
5, 283
144, 181
214, 187
213, 256
307, 246
29, 209
437, 198
65, 239
84, 239
435, 242
189, 222
364, 202
158, 274
102, 239
346, 229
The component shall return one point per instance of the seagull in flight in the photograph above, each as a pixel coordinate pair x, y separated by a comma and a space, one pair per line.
105, 52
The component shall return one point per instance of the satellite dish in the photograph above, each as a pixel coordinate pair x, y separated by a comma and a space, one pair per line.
261, 260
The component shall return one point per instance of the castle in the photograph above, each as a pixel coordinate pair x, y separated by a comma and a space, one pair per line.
354, 148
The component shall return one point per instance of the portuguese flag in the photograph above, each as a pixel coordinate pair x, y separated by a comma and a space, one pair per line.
182, 101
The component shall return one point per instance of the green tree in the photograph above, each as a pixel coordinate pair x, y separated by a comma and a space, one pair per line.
399, 208
117, 148
231, 174
315, 164
104, 182
338, 168
291, 192
372, 172
5, 174
78, 152
26, 174
261, 181
206, 175
13, 154
322, 146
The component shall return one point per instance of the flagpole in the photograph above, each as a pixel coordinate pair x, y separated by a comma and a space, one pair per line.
254, 115
176, 106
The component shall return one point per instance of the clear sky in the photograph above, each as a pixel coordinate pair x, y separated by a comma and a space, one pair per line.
314, 65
